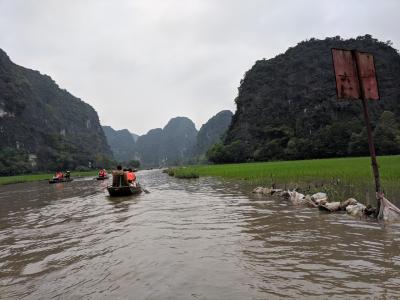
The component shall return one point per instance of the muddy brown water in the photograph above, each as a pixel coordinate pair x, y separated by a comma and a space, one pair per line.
187, 239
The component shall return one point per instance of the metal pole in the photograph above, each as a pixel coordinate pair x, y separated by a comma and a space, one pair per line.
374, 163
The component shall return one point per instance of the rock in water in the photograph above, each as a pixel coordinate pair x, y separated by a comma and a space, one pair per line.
258, 190
309, 202
330, 206
388, 211
262, 190
350, 201
297, 198
320, 198
356, 209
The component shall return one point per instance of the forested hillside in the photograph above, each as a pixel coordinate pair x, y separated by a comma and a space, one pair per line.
43, 127
287, 107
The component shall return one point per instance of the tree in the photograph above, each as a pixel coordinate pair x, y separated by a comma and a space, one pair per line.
387, 134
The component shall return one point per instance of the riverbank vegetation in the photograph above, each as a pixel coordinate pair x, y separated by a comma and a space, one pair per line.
340, 177
40, 177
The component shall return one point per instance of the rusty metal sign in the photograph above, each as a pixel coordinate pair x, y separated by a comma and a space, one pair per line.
356, 79
367, 76
347, 85
355, 75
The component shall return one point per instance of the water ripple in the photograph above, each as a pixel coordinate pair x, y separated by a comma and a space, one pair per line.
202, 239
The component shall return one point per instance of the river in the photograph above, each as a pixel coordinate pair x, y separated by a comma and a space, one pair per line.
187, 239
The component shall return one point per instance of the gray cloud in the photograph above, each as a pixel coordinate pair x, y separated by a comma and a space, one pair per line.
139, 63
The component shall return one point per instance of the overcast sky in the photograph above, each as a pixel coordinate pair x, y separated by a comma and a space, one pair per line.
140, 63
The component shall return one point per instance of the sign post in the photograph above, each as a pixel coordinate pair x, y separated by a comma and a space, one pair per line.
356, 80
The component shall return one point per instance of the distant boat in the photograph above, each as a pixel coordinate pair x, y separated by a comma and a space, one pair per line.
59, 180
102, 177
119, 191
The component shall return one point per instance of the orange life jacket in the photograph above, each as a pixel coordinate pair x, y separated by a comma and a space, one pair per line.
131, 176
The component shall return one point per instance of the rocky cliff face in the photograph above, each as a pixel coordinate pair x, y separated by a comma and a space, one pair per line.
287, 106
45, 124
212, 131
172, 145
121, 142
148, 148
178, 141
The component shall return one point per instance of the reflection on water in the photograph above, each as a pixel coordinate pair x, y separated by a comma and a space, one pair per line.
187, 239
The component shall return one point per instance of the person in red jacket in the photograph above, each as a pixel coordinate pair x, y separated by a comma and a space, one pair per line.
102, 173
131, 176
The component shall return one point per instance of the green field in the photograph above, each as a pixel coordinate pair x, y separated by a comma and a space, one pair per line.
39, 177
340, 177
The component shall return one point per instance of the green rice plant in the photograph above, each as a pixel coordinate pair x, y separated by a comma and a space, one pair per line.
183, 173
340, 177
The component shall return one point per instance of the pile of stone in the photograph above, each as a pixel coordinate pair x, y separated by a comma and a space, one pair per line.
388, 211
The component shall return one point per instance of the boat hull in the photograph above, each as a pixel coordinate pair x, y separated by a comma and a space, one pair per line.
102, 178
60, 180
121, 191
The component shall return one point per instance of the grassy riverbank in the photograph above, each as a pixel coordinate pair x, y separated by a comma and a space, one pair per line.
40, 177
343, 176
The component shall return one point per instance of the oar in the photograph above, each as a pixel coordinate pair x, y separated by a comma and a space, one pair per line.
144, 189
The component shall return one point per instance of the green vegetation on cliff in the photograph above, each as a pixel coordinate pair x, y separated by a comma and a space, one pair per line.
287, 107
212, 131
43, 127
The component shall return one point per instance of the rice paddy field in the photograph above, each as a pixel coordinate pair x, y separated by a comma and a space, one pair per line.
39, 177
339, 177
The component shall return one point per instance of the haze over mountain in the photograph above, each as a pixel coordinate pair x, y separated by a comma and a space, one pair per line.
121, 142
287, 106
212, 131
43, 127
173, 145
177, 143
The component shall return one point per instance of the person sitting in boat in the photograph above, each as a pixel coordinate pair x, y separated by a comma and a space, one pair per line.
68, 175
131, 177
118, 177
102, 173
58, 175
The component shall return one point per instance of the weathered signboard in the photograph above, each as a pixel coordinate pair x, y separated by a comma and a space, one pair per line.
356, 79
355, 75
367, 76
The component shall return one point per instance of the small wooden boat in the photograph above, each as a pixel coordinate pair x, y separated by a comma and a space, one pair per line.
102, 177
59, 180
119, 191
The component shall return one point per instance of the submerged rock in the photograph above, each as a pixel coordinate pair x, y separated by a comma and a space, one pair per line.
262, 190
356, 209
